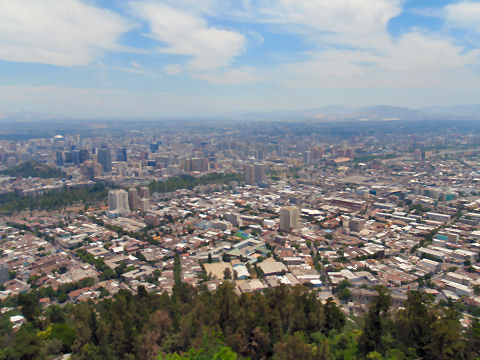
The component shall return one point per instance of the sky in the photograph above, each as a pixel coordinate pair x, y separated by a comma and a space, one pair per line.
187, 58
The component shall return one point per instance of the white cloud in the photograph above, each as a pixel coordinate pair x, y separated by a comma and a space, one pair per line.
132, 70
236, 76
57, 32
351, 46
173, 69
136, 64
413, 60
464, 14
186, 33
429, 54
347, 22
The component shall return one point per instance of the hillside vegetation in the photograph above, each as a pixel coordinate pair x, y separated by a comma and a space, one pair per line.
282, 323
34, 169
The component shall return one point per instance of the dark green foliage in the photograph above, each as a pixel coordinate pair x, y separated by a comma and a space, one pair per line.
189, 182
90, 259
145, 325
342, 291
34, 169
375, 323
12, 202
282, 323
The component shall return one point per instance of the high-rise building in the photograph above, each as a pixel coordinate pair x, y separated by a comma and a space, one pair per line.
105, 158
145, 204
259, 173
260, 155
59, 158
187, 165
279, 149
249, 174
133, 199
75, 157
144, 192
289, 218
84, 155
234, 218
118, 201
350, 153
317, 152
3, 272
307, 157
153, 147
122, 154
91, 169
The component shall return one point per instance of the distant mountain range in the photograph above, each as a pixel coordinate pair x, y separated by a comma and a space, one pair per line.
379, 113
327, 113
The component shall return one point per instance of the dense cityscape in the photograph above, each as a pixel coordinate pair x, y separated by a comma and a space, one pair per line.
239, 180
341, 212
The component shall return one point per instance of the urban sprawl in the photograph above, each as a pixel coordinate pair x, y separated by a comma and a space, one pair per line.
339, 214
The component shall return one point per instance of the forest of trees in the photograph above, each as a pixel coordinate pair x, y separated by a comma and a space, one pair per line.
284, 323
13, 202
34, 169
189, 182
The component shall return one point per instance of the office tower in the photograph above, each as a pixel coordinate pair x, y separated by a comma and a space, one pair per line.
187, 165
67, 157
133, 198
153, 147
307, 157
84, 155
118, 201
122, 154
200, 164
279, 149
3, 272
144, 192
75, 157
260, 155
59, 158
91, 169
259, 173
196, 164
249, 174
289, 218
145, 204
317, 152
105, 158
350, 153
204, 165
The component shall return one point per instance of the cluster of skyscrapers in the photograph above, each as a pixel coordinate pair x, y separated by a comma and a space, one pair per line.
122, 202
254, 173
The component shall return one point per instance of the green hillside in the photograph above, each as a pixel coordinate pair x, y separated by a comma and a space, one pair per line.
283, 323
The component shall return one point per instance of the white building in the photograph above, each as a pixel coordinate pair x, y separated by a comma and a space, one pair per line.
118, 201
289, 218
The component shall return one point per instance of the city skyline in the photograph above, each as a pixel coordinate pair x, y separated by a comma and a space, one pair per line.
190, 58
